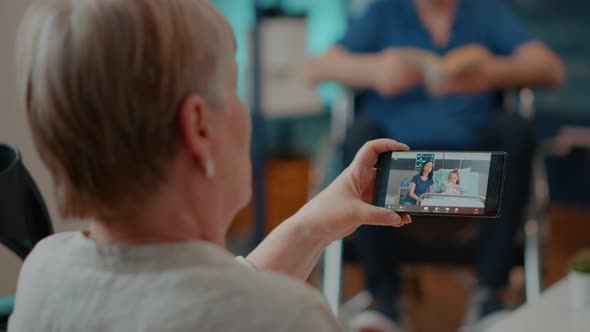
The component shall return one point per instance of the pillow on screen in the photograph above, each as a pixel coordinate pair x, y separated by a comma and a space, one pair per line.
470, 184
441, 177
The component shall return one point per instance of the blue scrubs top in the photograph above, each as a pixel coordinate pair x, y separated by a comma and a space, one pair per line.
414, 117
421, 188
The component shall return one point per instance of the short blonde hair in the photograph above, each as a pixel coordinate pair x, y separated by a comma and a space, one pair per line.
102, 81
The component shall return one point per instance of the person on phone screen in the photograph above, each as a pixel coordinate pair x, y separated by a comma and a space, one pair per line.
421, 183
421, 67
453, 185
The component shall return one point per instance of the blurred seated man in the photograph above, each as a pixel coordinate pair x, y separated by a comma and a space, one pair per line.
430, 72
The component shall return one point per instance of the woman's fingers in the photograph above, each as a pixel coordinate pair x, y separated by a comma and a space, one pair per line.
367, 156
406, 219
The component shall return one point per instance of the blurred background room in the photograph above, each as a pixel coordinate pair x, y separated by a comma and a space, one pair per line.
301, 126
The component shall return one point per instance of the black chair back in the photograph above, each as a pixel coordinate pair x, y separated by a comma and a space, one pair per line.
24, 219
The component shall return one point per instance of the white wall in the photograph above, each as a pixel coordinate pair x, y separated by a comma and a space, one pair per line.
13, 129
395, 182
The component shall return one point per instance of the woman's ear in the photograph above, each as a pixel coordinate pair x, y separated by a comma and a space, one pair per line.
194, 131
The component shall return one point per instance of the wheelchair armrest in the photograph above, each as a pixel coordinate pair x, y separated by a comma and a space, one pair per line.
342, 109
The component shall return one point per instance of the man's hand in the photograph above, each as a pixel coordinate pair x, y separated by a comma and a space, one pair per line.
460, 71
463, 59
468, 70
400, 69
476, 80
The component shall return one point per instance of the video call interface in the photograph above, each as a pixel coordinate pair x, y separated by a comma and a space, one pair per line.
446, 183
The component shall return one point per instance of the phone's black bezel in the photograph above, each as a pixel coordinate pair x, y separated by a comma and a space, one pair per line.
494, 193
495, 190
381, 179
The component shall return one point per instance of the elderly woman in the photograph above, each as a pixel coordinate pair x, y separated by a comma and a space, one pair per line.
133, 108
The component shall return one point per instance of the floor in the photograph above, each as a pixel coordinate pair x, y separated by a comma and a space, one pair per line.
441, 304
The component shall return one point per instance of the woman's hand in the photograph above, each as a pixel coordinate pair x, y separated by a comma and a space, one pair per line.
346, 204
295, 246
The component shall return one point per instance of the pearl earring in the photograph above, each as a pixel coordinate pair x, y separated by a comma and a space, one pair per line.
210, 168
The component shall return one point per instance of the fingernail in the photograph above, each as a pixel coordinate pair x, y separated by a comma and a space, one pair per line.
394, 219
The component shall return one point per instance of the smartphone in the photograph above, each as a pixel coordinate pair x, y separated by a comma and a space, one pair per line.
441, 183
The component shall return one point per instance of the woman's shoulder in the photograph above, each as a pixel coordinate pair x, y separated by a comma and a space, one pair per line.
415, 177
266, 300
256, 291
46, 263
269, 283
49, 245
238, 280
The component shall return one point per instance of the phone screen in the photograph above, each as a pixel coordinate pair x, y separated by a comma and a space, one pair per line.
446, 183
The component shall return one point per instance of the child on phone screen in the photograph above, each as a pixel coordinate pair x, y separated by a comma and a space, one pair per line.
453, 185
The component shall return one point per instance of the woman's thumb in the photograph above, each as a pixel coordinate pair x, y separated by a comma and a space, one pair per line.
374, 215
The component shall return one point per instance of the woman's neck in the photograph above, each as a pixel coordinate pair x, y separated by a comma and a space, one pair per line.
137, 231
176, 214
